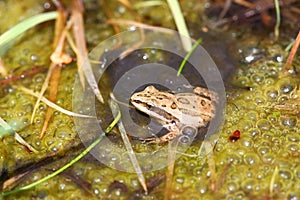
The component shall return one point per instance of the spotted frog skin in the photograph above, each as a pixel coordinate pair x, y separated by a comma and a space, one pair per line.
174, 111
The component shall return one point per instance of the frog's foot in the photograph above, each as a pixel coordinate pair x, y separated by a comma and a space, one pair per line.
168, 137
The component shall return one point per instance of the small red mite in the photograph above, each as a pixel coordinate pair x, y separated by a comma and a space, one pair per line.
235, 136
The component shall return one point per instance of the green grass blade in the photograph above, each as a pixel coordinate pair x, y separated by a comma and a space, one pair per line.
278, 19
88, 149
180, 24
188, 55
10, 35
143, 4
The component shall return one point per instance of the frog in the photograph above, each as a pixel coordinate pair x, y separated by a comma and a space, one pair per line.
174, 111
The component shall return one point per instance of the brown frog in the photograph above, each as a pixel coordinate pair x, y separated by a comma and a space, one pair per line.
175, 111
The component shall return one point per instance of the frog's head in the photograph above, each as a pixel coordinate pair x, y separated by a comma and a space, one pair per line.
158, 104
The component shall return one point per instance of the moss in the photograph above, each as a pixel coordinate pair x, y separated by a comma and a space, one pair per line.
259, 107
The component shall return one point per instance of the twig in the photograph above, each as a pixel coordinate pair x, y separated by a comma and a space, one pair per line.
245, 4
43, 89
292, 53
3, 71
58, 57
83, 64
53, 90
10, 78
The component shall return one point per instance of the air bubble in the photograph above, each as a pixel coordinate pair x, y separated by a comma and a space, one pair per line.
272, 94
115, 157
63, 133
96, 191
286, 85
263, 124
62, 186
245, 125
252, 115
248, 184
244, 81
272, 119
287, 89
289, 121
232, 186
282, 163
189, 131
293, 195
246, 141
42, 107
240, 195
233, 158
259, 100
282, 98
251, 158
262, 150
293, 147
254, 132
257, 78
285, 174
293, 137
270, 81
145, 56
34, 57
179, 179
202, 187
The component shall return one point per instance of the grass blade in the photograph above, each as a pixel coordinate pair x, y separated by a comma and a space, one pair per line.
115, 110
23, 26
278, 19
83, 64
188, 55
88, 149
144, 4
9, 130
180, 24
51, 104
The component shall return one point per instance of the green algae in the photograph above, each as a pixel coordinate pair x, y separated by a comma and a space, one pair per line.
261, 107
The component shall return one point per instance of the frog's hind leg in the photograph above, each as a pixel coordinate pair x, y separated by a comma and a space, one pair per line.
205, 93
168, 137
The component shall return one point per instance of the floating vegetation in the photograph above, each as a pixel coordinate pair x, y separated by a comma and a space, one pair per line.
257, 155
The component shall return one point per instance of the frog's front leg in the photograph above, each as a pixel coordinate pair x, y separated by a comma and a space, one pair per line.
173, 132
